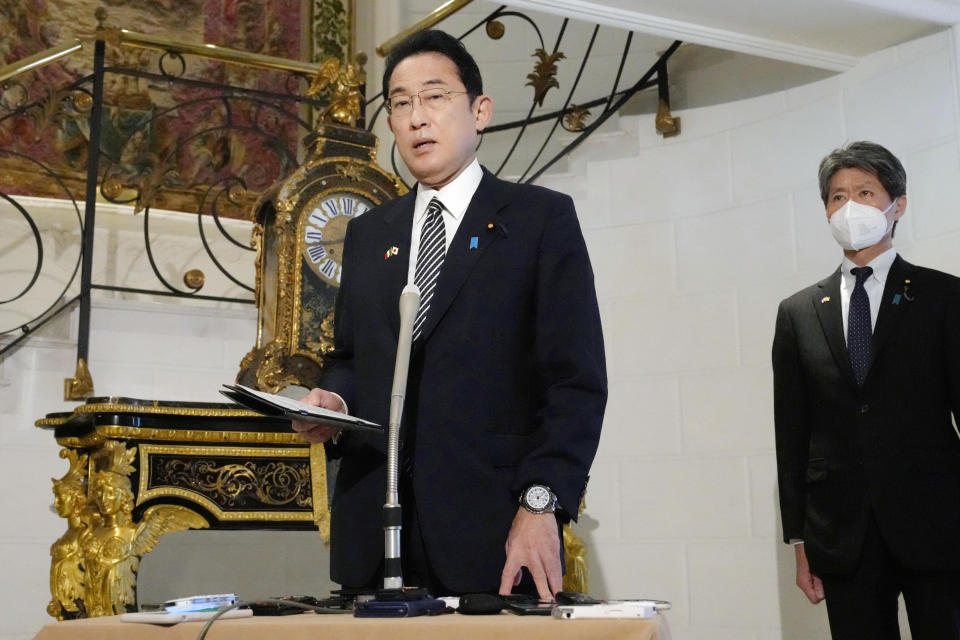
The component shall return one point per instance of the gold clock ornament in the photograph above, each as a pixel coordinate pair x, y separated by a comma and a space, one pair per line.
298, 233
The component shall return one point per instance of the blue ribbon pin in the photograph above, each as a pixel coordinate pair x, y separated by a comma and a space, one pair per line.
474, 242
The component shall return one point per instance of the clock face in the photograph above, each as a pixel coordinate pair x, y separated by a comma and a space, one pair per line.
324, 226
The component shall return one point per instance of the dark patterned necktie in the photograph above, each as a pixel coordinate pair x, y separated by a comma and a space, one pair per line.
433, 248
859, 329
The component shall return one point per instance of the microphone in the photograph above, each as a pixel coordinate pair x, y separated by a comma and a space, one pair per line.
392, 515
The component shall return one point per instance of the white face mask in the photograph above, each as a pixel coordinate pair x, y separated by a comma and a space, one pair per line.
855, 226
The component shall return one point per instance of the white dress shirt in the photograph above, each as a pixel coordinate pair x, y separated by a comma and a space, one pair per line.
873, 285
455, 197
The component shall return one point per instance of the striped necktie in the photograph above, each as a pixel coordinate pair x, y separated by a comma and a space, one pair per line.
433, 248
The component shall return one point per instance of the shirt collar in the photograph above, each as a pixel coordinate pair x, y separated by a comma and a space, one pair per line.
880, 265
455, 196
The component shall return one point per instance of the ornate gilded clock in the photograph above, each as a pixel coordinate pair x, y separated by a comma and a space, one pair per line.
300, 225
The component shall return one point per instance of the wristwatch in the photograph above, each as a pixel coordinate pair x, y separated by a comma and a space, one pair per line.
538, 498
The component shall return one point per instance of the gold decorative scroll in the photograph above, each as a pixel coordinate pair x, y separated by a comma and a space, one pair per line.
230, 484
544, 75
215, 492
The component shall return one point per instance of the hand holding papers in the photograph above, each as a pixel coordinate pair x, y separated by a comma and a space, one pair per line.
276, 406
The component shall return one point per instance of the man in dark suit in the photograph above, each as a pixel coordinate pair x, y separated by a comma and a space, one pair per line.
866, 370
507, 383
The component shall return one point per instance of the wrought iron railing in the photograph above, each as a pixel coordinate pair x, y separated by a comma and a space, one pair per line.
71, 143
223, 144
574, 118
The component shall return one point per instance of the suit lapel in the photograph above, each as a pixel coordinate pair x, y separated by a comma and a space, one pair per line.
892, 304
398, 223
826, 301
481, 222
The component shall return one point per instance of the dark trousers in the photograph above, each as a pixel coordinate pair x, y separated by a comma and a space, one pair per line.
415, 561
417, 570
863, 604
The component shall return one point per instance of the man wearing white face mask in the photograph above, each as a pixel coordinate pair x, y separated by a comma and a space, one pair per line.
866, 370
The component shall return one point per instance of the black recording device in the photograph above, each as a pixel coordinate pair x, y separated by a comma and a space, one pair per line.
531, 607
526, 606
480, 604
399, 608
263, 608
281, 605
288, 605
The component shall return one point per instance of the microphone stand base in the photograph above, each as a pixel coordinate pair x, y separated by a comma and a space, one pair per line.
400, 603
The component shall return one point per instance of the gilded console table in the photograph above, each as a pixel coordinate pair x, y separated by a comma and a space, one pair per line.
139, 469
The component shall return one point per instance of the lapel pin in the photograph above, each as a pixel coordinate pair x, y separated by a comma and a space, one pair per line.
896, 299
825, 299
906, 290
498, 227
474, 241
392, 251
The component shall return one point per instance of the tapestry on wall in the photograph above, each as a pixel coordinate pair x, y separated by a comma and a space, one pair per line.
172, 126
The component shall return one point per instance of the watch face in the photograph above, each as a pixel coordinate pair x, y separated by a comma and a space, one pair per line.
321, 242
538, 497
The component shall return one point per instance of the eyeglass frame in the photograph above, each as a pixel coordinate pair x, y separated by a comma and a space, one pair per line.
447, 93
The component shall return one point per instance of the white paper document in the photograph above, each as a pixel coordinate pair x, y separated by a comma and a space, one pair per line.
276, 406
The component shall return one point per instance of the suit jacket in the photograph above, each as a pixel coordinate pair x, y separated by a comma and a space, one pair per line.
887, 448
507, 384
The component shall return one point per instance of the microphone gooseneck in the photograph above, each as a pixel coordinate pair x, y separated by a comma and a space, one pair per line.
392, 515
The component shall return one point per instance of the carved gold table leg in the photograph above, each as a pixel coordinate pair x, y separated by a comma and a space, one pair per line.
198, 466
66, 572
93, 570
112, 549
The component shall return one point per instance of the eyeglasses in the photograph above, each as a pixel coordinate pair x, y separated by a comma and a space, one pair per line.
435, 99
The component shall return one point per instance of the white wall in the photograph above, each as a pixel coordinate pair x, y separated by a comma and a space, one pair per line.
694, 242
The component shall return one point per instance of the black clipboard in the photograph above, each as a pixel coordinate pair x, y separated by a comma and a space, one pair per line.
274, 406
